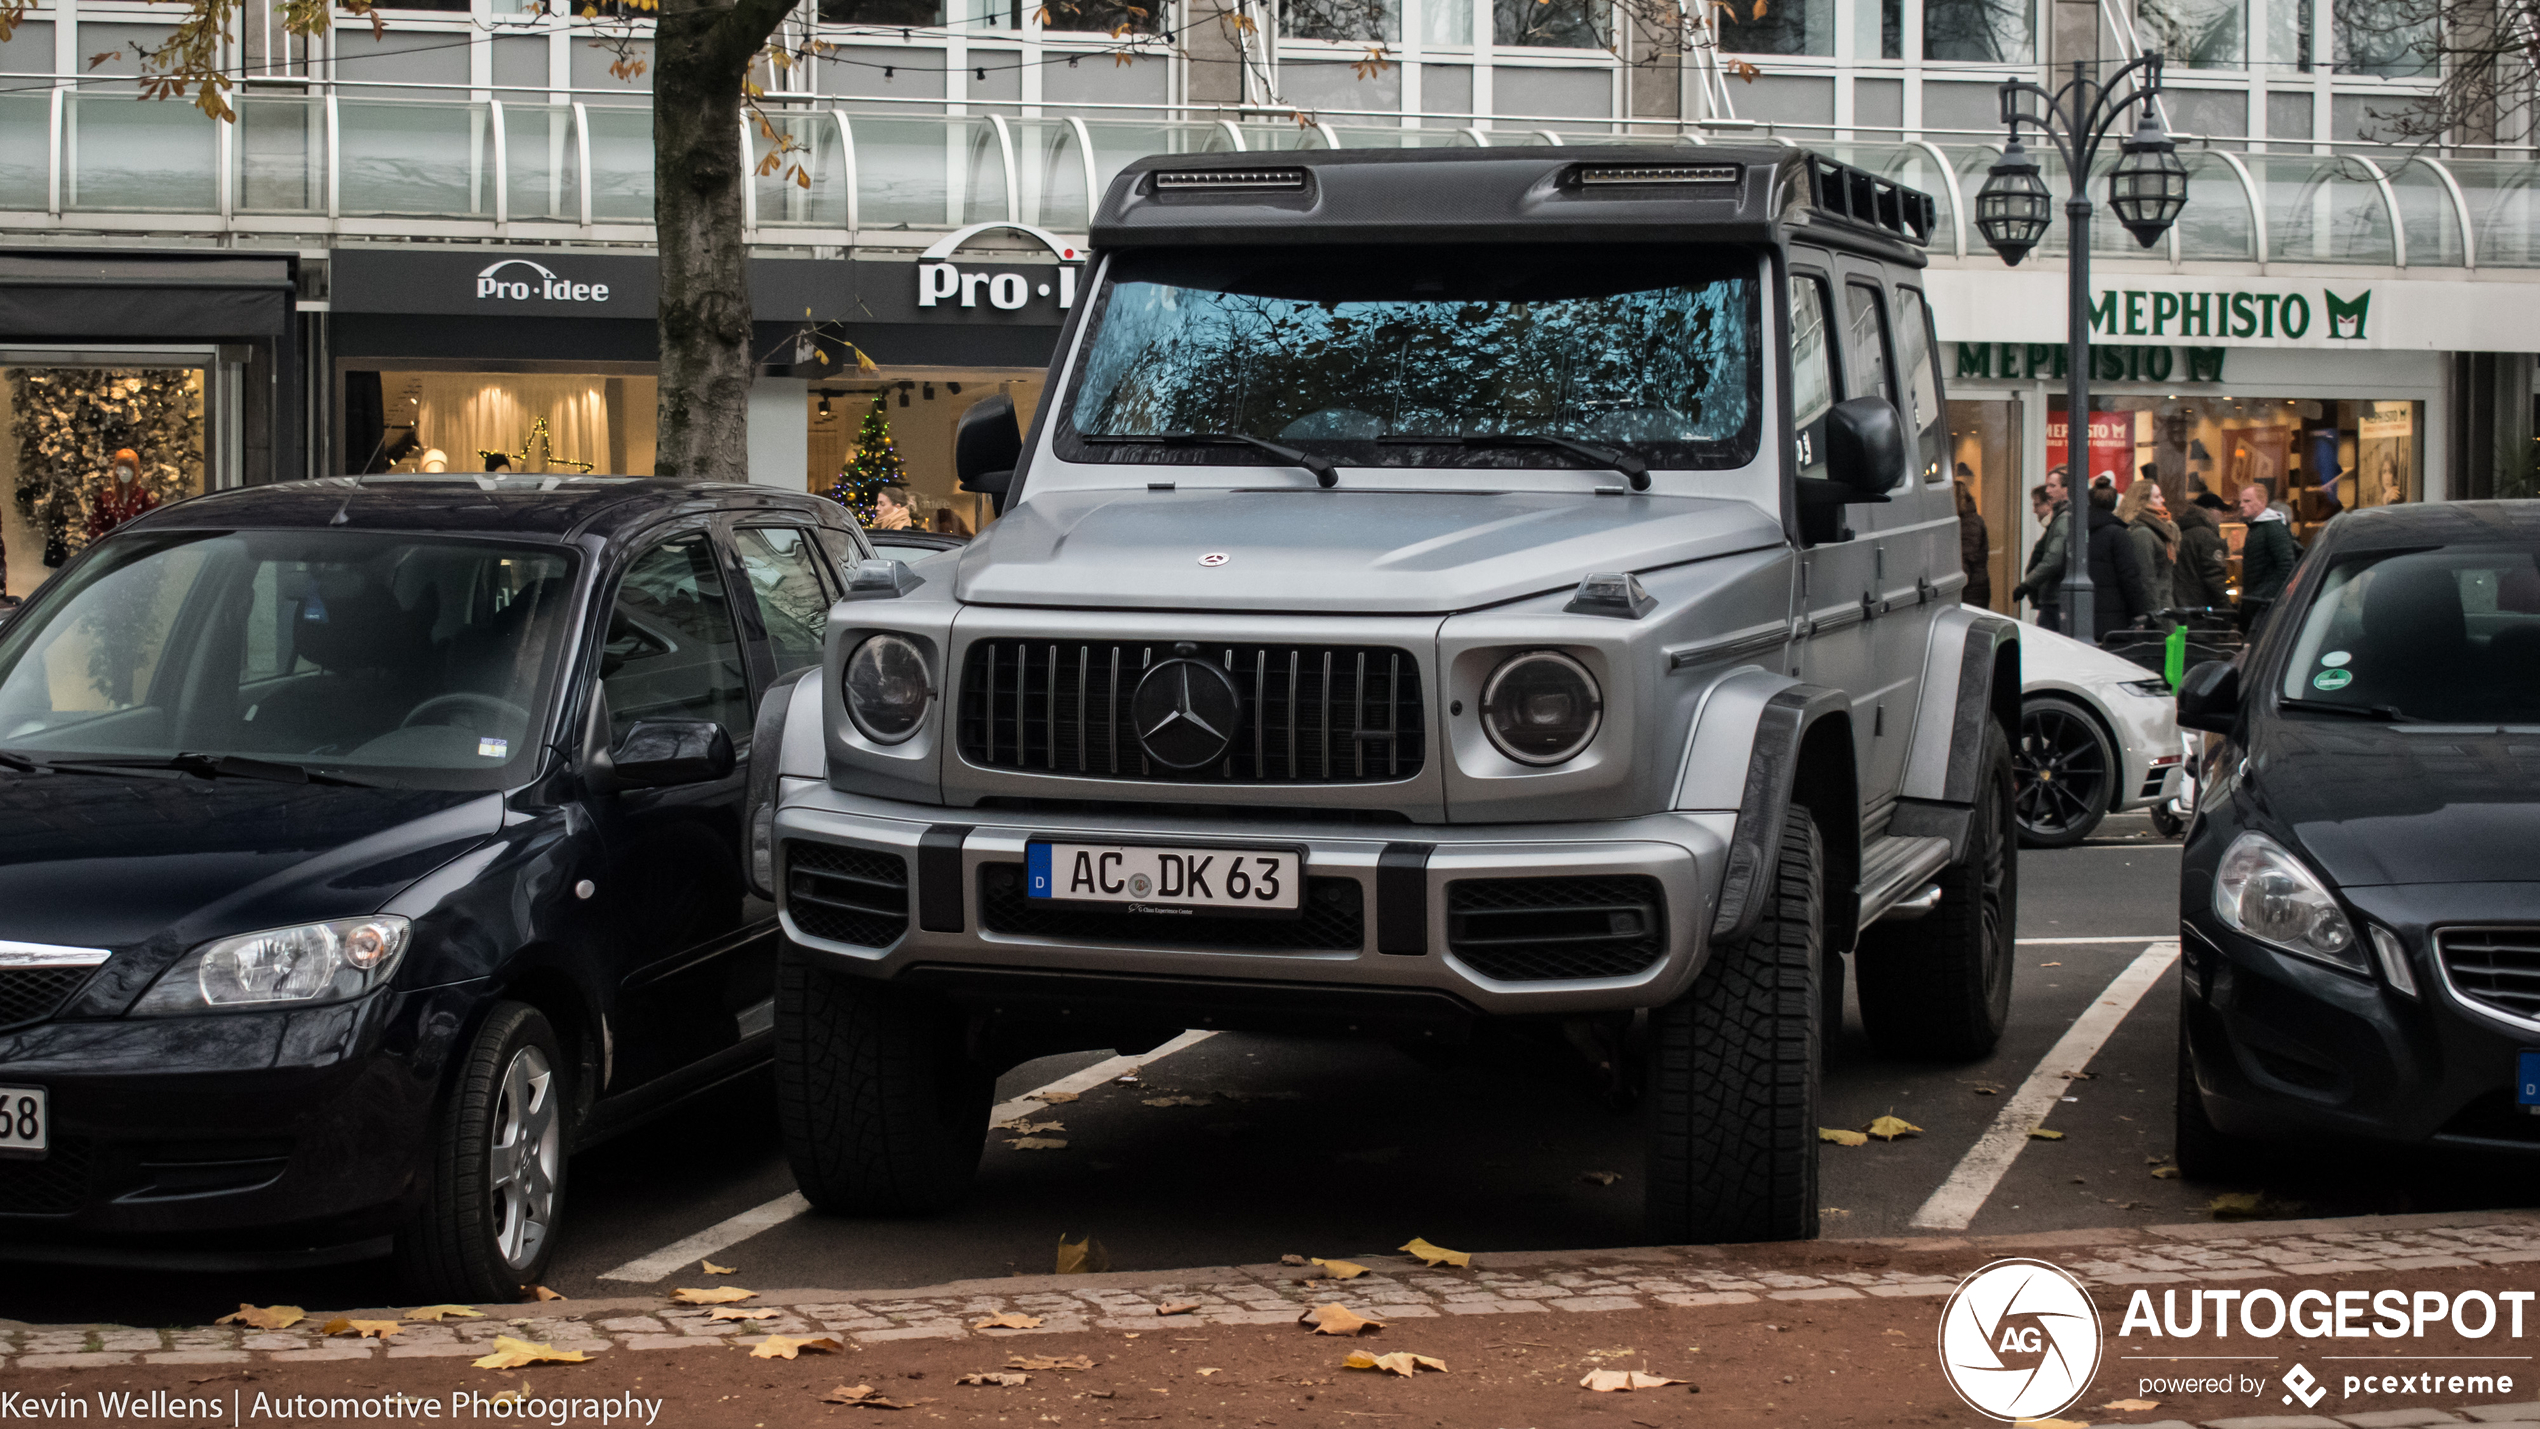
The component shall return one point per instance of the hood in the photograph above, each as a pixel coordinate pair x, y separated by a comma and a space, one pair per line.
1364, 552
2049, 658
101, 861
2377, 804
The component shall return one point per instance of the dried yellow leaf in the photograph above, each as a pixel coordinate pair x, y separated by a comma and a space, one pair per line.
1888, 1128
1401, 1362
1007, 1321
435, 1314
1082, 1257
1841, 1137
1600, 1178
2235, 1205
2042, 1134
2164, 1173
366, 1329
719, 1295
541, 1292
1048, 1362
785, 1347
1039, 1143
993, 1376
710, 1268
1179, 1308
1340, 1269
1207, 1372
1436, 1255
2051, 1424
264, 1317
1025, 1126
510, 1353
1338, 1319
1054, 1098
1178, 1101
1607, 1381
2131, 1406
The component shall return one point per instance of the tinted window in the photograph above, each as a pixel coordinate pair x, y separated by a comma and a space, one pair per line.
1812, 371
2450, 636
783, 567
672, 652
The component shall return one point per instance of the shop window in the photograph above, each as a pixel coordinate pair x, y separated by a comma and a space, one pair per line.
60, 428
898, 432
672, 652
1980, 31
1985, 459
783, 568
1561, 24
568, 423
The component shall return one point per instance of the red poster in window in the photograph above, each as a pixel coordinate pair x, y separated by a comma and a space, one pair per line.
2111, 445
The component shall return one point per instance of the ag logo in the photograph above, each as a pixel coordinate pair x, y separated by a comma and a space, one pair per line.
2019, 1340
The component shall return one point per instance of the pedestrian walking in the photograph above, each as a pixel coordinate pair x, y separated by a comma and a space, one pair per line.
2201, 580
2145, 512
2122, 597
2267, 554
1975, 547
2041, 584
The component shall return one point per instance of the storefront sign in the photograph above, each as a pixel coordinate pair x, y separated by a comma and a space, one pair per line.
2154, 312
2047, 360
517, 280
941, 281
2111, 445
2462, 312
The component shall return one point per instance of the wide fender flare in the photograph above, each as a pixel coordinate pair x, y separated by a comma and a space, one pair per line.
1759, 742
1971, 674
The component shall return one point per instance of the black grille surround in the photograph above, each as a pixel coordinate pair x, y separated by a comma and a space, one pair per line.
54, 1186
1556, 929
2497, 968
1333, 919
846, 895
1312, 714
33, 994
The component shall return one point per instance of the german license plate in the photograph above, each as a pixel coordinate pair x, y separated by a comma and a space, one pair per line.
24, 1122
2527, 1079
1166, 879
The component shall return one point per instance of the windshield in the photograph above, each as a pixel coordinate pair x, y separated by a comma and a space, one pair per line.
1353, 354
393, 659
2449, 635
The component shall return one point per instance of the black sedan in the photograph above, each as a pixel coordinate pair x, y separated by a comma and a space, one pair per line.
366, 846
2360, 903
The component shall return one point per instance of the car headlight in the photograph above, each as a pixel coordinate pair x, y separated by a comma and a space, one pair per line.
2265, 892
888, 688
1541, 707
305, 966
2150, 689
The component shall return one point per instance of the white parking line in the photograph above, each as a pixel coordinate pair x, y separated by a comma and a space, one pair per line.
728, 1233
1954, 1205
2138, 939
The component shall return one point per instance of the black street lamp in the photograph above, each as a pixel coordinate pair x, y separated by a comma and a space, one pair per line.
2146, 190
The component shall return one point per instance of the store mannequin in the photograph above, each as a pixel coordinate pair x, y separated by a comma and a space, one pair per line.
433, 459
121, 498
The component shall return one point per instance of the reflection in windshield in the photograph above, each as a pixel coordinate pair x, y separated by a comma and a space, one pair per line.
2451, 636
416, 661
1653, 351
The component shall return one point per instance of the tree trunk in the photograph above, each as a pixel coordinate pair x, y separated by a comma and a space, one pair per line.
701, 61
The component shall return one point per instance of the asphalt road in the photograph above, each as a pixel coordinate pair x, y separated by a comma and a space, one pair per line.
1336, 1148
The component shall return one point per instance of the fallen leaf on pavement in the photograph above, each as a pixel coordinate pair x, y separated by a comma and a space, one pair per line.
1340, 1269
510, 1353
2081, 1076
1988, 1091
1184, 1308
710, 1268
1207, 1372
1048, 1362
264, 1317
2050, 965
1606, 1381
1401, 1362
541, 1292
1840, 1137
1888, 1128
1082, 1257
740, 1312
1178, 1101
1039, 1143
366, 1329
863, 1396
1338, 1319
1025, 1126
992, 1376
2164, 1173
435, 1314
1436, 1255
2052, 1424
1601, 1178
2131, 1406
785, 1347
1053, 1098
1292, 1260
719, 1295
1007, 1321
2042, 1134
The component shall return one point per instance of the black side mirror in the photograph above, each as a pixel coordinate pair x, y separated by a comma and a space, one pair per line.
659, 752
986, 445
2209, 697
1865, 445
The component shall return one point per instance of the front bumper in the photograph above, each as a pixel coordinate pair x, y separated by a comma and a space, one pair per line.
2284, 1045
1395, 878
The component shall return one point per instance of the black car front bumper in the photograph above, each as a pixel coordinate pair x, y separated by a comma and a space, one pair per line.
246, 1137
2284, 1045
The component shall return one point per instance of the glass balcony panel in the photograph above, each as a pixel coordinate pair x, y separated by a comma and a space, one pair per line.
416, 157
281, 153
2504, 214
2216, 223
808, 183
621, 163
2321, 210
26, 127
540, 150
1379, 136
926, 172
2426, 215
1050, 165
1120, 142
1263, 138
147, 156
986, 197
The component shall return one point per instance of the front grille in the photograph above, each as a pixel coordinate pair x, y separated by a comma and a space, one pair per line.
2499, 967
32, 994
1545, 929
846, 895
54, 1186
1332, 919
1312, 714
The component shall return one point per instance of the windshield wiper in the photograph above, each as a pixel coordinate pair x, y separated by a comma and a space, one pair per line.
213, 766
1323, 472
10, 758
2386, 714
1631, 468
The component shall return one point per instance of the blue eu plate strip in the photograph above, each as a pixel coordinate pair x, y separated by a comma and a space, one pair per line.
2527, 1078
1036, 877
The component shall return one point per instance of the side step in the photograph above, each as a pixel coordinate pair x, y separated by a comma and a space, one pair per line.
1894, 870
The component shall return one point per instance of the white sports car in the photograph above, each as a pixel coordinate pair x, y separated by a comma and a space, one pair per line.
2098, 735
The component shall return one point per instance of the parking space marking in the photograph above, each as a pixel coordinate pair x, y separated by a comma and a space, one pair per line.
725, 1234
2138, 938
1954, 1205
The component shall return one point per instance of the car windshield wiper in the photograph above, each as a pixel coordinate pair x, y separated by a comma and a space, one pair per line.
211, 766
10, 758
1632, 468
1323, 472
2386, 714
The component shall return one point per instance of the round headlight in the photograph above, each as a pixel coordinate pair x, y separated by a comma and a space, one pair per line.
887, 688
1541, 708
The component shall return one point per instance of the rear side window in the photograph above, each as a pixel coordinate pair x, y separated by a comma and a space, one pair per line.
1916, 359
1811, 370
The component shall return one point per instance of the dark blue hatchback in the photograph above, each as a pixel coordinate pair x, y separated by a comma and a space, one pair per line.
367, 846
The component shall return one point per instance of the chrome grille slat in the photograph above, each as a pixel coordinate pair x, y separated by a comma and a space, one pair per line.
1053, 707
2497, 968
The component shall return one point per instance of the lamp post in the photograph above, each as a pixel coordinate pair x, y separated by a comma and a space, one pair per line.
2146, 190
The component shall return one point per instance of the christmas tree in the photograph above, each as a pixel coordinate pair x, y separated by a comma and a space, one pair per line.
876, 464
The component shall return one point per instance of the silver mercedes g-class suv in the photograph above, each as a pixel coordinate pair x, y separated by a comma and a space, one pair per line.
1442, 594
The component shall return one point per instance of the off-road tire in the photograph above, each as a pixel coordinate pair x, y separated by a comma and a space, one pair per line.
2204, 1151
1734, 1070
1938, 987
448, 1251
881, 1109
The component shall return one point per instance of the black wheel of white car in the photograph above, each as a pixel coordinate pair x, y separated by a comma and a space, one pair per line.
881, 1109
1733, 1073
495, 1181
1939, 986
2065, 768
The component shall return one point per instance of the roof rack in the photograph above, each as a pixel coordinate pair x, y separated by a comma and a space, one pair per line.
1862, 197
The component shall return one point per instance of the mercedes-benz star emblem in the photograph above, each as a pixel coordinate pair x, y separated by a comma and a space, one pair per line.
1215, 558
1185, 713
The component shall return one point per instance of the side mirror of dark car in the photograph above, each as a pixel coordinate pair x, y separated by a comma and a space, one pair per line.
2209, 697
986, 445
660, 752
1865, 445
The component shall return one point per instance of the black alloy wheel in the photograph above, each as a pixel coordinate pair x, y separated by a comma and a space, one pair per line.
2065, 770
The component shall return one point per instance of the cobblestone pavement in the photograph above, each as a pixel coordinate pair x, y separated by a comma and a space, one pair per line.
1584, 1282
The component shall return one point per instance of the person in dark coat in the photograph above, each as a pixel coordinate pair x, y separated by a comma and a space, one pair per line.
2202, 577
2267, 554
1975, 548
2121, 594
2042, 582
